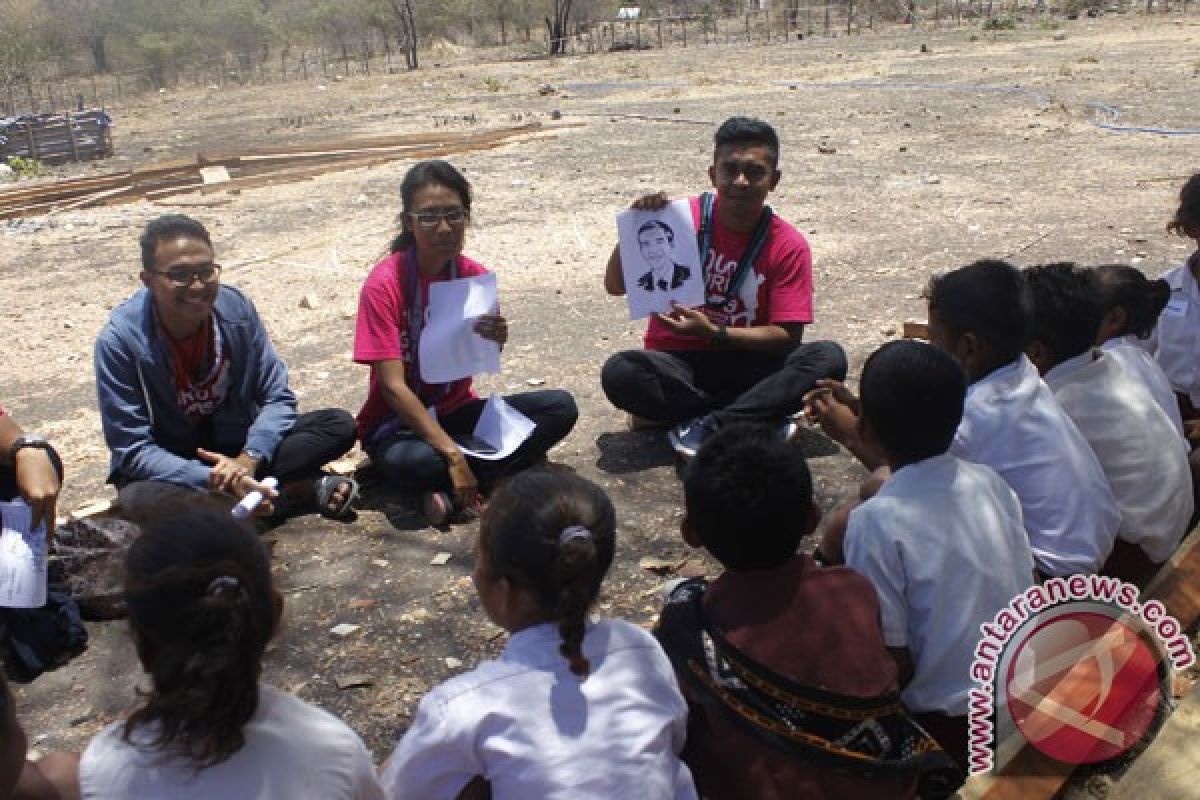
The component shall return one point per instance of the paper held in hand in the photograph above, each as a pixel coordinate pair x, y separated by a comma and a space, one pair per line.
660, 260
22, 558
450, 349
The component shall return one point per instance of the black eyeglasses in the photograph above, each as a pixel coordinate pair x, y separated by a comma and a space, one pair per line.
186, 276
431, 219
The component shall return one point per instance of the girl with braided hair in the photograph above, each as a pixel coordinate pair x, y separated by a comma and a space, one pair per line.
574, 707
202, 609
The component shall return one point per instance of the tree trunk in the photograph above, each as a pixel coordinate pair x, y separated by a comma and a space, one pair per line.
99, 53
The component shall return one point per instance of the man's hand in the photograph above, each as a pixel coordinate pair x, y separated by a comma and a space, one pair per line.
493, 327
688, 322
651, 202
835, 408
228, 474
38, 485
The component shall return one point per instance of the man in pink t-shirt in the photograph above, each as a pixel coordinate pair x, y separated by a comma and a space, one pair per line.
740, 356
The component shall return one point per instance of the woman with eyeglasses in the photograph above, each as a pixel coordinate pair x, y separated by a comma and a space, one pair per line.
408, 426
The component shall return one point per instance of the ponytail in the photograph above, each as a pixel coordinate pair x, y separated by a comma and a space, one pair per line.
553, 533
573, 571
1186, 221
202, 611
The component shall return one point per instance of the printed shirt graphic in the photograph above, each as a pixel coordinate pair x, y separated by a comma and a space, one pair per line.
779, 289
381, 334
200, 372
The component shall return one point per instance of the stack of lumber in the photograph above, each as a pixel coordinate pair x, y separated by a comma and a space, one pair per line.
57, 138
210, 172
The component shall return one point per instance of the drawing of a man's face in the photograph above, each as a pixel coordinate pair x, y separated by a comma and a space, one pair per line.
656, 240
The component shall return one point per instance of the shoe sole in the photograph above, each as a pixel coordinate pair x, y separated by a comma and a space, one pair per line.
678, 446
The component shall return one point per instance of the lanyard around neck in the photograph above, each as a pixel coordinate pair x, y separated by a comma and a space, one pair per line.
704, 239
415, 301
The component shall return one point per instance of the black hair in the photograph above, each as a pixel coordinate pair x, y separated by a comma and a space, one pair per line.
1067, 311
526, 536
202, 610
988, 298
421, 175
1126, 287
912, 395
744, 131
748, 493
657, 223
164, 227
1186, 221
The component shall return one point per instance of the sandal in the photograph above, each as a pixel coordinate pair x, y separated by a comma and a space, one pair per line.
324, 489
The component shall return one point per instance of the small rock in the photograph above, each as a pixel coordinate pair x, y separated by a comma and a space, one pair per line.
354, 681
68, 324
380, 562
440, 560
87, 716
361, 200
1126, 231
826, 149
546, 89
1060, 36
453, 663
556, 114
310, 301
534, 382
344, 629
931, 180
360, 603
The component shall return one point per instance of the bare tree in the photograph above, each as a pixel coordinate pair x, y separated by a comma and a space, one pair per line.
557, 27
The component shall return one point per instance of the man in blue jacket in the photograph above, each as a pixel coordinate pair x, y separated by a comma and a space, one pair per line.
193, 396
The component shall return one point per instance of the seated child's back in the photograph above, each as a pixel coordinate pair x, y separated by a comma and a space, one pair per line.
942, 540
810, 632
1135, 441
981, 314
573, 708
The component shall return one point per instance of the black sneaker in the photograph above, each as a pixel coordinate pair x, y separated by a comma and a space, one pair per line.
686, 437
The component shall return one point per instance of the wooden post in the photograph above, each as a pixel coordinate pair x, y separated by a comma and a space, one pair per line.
747, 27
637, 34
683, 27
71, 136
849, 15
29, 135
660, 33
826, 17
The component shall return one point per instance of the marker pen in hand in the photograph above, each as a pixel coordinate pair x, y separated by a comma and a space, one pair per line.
253, 500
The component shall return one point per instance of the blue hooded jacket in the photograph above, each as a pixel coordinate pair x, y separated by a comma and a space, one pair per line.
148, 435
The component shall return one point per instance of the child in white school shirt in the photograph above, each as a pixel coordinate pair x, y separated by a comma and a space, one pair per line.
1131, 306
941, 540
1175, 342
981, 314
1134, 439
573, 708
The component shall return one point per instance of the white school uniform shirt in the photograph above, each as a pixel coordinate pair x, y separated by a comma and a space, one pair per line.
533, 729
1175, 341
1131, 355
1136, 445
293, 750
1012, 423
943, 543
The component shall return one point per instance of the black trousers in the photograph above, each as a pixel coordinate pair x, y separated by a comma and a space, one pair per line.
412, 465
733, 385
317, 438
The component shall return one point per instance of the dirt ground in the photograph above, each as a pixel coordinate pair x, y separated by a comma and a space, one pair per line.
896, 164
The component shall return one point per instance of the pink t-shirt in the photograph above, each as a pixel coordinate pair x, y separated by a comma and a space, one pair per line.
778, 290
381, 334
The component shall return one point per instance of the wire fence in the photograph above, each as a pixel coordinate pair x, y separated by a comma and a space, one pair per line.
789, 21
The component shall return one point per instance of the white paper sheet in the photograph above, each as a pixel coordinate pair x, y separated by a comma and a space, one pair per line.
450, 349
22, 558
659, 259
501, 429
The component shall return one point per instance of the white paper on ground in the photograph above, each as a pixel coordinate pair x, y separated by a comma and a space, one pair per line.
450, 349
501, 429
660, 259
22, 558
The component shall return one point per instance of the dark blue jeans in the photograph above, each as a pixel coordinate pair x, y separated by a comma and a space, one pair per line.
412, 465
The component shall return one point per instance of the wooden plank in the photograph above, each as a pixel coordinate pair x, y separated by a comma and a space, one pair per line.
1030, 775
